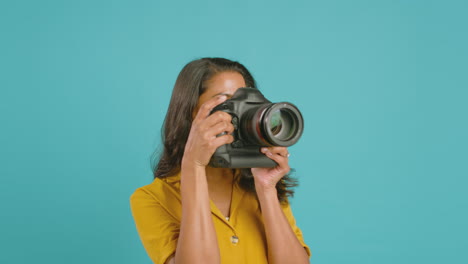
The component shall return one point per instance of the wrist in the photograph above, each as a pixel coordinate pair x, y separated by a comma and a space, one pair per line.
192, 179
190, 169
191, 164
265, 185
266, 191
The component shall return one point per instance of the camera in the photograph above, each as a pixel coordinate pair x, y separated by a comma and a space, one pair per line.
257, 123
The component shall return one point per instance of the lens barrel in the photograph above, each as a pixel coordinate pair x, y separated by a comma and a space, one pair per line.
276, 124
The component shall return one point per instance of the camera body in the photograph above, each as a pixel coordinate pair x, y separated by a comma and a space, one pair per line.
257, 123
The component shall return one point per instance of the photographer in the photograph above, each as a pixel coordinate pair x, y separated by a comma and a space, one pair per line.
196, 213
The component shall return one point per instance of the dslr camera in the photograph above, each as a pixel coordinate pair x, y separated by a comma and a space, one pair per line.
257, 123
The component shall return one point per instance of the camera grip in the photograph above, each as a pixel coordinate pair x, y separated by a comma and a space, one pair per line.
248, 157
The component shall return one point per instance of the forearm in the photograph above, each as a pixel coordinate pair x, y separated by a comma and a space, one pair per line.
283, 245
197, 241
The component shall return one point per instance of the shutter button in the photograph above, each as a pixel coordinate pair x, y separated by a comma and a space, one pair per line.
234, 240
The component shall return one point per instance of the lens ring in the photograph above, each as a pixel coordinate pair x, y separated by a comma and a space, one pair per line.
292, 124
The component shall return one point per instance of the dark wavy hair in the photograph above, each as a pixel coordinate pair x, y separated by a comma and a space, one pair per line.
190, 84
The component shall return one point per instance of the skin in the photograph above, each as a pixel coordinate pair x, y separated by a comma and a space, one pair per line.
201, 183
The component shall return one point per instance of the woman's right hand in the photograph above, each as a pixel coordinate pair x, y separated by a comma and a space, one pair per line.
203, 139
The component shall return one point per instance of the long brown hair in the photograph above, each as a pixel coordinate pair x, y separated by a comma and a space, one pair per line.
190, 84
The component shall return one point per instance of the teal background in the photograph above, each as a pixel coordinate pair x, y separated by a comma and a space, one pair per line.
382, 85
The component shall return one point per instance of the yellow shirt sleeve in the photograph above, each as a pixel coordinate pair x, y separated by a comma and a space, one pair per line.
292, 222
157, 228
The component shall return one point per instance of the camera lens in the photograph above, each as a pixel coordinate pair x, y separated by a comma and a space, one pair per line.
277, 124
282, 124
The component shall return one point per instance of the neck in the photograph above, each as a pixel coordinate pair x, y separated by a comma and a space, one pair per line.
219, 175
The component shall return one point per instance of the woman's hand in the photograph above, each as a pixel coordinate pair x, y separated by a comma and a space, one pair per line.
266, 178
203, 139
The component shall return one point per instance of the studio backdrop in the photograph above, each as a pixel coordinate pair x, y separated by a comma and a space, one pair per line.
382, 86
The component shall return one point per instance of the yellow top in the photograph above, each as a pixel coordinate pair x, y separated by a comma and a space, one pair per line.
157, 210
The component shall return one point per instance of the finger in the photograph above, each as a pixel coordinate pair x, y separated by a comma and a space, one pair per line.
217, 117
219, 128
282, 162
283, 151
222, 140
206, 108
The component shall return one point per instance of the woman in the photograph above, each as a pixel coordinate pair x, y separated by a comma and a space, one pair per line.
194, 213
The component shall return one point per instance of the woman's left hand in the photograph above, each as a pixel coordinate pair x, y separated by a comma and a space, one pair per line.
266, 178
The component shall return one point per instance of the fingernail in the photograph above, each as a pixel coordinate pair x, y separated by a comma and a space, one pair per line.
222, 97
263, 150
